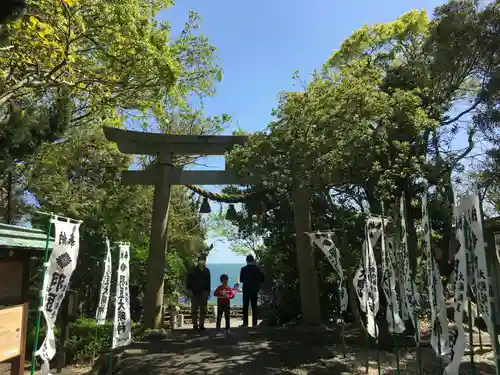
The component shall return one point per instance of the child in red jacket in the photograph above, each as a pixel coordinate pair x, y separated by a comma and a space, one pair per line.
224, 294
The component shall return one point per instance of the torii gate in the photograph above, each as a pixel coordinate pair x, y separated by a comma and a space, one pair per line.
163, 174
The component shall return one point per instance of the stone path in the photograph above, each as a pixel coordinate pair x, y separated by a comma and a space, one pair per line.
273, 352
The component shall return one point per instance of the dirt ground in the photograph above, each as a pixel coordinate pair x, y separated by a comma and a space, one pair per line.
285, 351
280, 351
70, 370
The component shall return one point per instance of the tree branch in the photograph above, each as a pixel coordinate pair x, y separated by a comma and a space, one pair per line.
463, 113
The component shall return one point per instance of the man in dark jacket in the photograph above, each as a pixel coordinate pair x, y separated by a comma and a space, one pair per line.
198, 284
252, 277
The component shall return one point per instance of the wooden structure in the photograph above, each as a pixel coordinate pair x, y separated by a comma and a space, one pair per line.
163, 174
17, 246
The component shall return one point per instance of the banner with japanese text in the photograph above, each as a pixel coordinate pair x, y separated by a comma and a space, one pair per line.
60, 267
366, 280
102, 309
440, 340
122, 335
409, 295
325, 242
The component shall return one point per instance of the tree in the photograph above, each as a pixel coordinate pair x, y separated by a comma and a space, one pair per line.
80, 178
371, 125
60, 51
11, 9
241, 242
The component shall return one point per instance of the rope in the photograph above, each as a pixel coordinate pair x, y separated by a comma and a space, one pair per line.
222, 197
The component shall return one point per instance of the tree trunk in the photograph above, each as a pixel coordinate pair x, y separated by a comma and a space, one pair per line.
449, 241
412, 241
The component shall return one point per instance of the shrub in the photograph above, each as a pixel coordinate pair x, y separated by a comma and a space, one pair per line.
85, 339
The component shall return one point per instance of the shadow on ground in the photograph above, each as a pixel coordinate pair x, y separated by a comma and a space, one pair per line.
267, 351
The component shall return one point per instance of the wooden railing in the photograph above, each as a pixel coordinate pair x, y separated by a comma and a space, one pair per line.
182, 317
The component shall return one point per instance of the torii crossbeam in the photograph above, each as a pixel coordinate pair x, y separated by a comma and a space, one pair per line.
163, 174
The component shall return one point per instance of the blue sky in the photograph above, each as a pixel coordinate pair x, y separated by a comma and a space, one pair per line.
261, 43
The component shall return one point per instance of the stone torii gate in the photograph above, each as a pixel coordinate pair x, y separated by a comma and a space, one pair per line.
163, 174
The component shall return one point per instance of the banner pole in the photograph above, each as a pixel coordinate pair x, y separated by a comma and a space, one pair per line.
95, 343
111, 361
432, 269
40, 298
416, 321
389, 259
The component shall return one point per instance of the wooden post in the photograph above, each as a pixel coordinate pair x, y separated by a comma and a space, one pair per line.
158, 245
308, 278
64, 333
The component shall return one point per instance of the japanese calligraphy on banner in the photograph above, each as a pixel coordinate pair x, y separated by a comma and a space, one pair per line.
325, 242
394, 320
366, 280
102, 309
460, 300
440, 340
409, 295
471, 230
61, 264
122, 335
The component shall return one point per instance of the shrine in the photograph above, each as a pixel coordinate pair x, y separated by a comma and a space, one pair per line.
163, 173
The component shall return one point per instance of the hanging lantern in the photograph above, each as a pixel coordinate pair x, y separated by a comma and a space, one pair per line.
231, 214
205, 207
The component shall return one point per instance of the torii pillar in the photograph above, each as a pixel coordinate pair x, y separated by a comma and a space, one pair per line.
162, 175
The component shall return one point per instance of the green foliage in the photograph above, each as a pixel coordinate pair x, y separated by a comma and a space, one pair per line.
67, 81
80, 178
85, 339
58, 71
242, 243
374, 124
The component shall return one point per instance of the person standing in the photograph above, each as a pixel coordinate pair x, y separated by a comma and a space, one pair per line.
198, 285
252, 277
224, 294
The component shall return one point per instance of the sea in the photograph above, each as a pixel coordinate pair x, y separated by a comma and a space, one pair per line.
232, 271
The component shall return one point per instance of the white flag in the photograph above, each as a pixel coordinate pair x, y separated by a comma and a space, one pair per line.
460, 286
102, 308
440, 340
122, 334
61, 264
409, 295
394, 320
366, 280
325, 242
477, 263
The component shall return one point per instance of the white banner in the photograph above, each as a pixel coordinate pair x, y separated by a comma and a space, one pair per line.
122, 333
440, 339
366, 280
477, 262
102, 308
394, 320
61, 264
460, 286
359, 279
409, 294
325, 242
